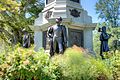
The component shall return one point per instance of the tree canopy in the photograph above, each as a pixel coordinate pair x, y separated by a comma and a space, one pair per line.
13, 18
109, 10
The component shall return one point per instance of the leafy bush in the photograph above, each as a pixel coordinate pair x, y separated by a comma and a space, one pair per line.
115, 66
26, 64
77, 65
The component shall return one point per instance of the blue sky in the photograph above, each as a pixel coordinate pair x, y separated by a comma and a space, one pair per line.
89, 5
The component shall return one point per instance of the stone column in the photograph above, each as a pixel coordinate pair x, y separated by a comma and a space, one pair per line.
38, 40
88, 39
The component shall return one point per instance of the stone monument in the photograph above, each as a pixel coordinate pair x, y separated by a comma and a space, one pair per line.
78, 24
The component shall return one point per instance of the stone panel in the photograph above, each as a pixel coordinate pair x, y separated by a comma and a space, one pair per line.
38, 39
75, 37
44, 39
88, 39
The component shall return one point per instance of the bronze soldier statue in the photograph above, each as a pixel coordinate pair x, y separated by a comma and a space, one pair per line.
26, 39
104, 41
59, 37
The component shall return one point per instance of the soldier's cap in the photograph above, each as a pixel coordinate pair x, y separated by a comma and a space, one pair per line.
59, 19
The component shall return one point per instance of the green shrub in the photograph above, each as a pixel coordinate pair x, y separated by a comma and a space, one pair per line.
26, 64
115, 66
76, 65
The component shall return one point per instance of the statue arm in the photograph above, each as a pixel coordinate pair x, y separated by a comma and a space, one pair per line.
50, 32
104, 36
65, 34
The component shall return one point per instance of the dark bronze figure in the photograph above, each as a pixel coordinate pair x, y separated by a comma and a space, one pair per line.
104, 41
26, 39
58, 41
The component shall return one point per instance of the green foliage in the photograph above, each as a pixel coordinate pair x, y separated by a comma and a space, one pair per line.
9, 5
116, 36
77, 65
115, 32
115, 66
27, 64
13, 18
32, 7
96, 44
109, 11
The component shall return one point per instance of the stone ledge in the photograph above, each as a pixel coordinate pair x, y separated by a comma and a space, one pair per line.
85, 24
68, 21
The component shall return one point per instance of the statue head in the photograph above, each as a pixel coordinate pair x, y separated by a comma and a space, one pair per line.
24, 31
104, 29
58, 20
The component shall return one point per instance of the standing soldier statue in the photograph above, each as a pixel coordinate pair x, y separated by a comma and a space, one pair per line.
58, 37
104, 41
26, 39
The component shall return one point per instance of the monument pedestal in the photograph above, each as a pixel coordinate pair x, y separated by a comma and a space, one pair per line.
78, 24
